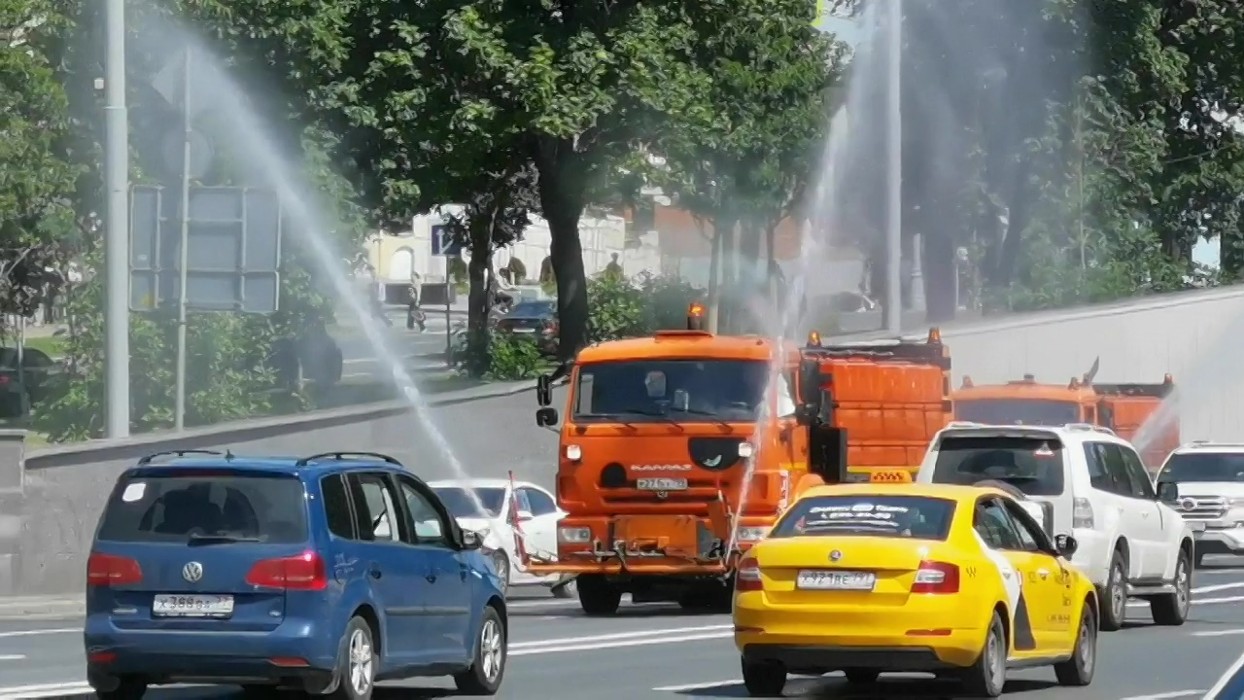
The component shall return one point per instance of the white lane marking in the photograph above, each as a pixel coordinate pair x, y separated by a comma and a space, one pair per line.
36, 633
44, 690
1166, 696
620, 643
1218, 633
603, 638
527, 604
1206, 601
698, 686
1218, 587
1226, 678
11, 657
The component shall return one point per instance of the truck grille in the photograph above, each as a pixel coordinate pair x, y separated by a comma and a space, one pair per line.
1201, 507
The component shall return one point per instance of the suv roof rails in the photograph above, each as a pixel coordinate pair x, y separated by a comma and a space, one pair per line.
1089, 427
346, 455
1212, 443
144, 461
963, 424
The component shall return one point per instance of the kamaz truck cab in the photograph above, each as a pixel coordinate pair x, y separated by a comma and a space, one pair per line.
679, 450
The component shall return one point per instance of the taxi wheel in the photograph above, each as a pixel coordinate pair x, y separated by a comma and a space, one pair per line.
1113, 596
986, 677
1172, 608
764, 679
1078, 670
862, 675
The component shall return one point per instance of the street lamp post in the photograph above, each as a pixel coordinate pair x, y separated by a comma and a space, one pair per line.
116, 227
894, 164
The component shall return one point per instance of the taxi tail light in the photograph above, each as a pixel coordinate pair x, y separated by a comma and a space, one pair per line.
110, 570
747, 578
936, 577
302, 572
1082, 513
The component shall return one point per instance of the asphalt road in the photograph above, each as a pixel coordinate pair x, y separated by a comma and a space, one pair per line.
418, 351
655, 652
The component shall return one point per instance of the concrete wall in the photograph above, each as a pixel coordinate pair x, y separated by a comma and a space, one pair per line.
50, 509
1196, 336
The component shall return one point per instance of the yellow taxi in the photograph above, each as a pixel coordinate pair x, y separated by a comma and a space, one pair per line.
872, 578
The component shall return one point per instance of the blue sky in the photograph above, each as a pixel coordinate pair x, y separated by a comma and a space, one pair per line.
1204, 252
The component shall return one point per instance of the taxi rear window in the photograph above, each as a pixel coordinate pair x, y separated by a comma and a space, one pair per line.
1033, 465
868, 515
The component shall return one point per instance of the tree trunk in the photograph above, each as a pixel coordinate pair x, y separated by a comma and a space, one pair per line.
562, 185
478, 336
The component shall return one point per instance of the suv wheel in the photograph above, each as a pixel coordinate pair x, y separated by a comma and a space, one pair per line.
128, 689
1172, 608
1114, 594
356, 669
488, 664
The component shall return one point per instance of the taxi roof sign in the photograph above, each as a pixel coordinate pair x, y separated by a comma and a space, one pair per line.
890, 476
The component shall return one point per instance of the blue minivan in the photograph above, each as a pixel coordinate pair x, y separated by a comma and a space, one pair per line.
323, 575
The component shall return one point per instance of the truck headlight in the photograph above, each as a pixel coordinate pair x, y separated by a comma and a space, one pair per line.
752, 534
574, 535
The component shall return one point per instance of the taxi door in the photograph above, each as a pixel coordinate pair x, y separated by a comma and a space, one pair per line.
1030, 578
1053, 579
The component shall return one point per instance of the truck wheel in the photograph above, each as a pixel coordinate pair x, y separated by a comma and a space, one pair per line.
1171, 609
1113, 595
598, 596
986, 677
764, 679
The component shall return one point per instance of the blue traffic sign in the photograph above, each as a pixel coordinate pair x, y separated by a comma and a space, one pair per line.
444, 242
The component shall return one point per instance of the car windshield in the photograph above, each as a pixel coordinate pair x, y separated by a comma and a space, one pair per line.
460, 505
219, 508
687, 391
1033, 465
868, 515
1017, 411
1204, 466
533, 309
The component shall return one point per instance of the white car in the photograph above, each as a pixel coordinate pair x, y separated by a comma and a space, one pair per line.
1092, 485
1210, 479
536, 519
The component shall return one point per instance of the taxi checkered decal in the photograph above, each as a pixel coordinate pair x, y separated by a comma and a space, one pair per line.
890, 476
1024, 640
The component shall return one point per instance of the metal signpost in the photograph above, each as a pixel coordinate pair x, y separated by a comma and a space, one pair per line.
446, 245
116, 226
200, 248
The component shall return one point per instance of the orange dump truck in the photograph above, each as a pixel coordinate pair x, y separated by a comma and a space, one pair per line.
1123, 408
678, 451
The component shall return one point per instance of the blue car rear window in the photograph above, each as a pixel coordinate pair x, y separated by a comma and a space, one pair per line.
212, 507
868, 515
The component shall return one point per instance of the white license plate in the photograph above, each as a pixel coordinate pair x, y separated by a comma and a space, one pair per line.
173, 605
1195, 526
524, 330
836, 580
661, 484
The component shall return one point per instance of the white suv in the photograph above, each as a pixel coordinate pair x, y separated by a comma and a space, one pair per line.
1210, 479
1091, 485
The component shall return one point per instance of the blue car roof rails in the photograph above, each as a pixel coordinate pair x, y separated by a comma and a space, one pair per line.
346, 455
182, 453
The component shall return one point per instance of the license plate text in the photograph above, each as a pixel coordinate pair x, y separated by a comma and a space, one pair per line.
175, 605
836, 580
661, 484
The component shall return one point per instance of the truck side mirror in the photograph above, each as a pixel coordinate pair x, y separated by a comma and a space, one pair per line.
547, 417
544, 391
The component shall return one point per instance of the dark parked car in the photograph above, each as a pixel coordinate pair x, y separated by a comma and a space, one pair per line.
534, 319
31, 383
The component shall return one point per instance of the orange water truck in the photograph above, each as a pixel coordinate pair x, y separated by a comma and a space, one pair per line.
1123, 408
679, 450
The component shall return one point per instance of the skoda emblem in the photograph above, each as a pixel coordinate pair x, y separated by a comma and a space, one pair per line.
192, 572
835, 555
1187, 504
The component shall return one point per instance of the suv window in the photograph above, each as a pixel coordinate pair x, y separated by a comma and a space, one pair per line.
1033, 465
376, 516
1106, 469
179, 506
995, 526
425, 520
1141, 484
540, 502
1204, 466
1031, 536
337, 506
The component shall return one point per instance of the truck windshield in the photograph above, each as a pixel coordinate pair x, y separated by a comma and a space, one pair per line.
1033, 465
688, 391
1205, 466
1017, 411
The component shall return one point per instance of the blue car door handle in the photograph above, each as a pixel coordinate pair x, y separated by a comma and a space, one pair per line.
431, 577
374, 571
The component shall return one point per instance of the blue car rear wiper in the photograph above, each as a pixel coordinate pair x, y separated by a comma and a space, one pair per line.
196, 538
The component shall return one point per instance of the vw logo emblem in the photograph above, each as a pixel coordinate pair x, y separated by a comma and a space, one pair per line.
1187, 504
192, 572
835, 555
